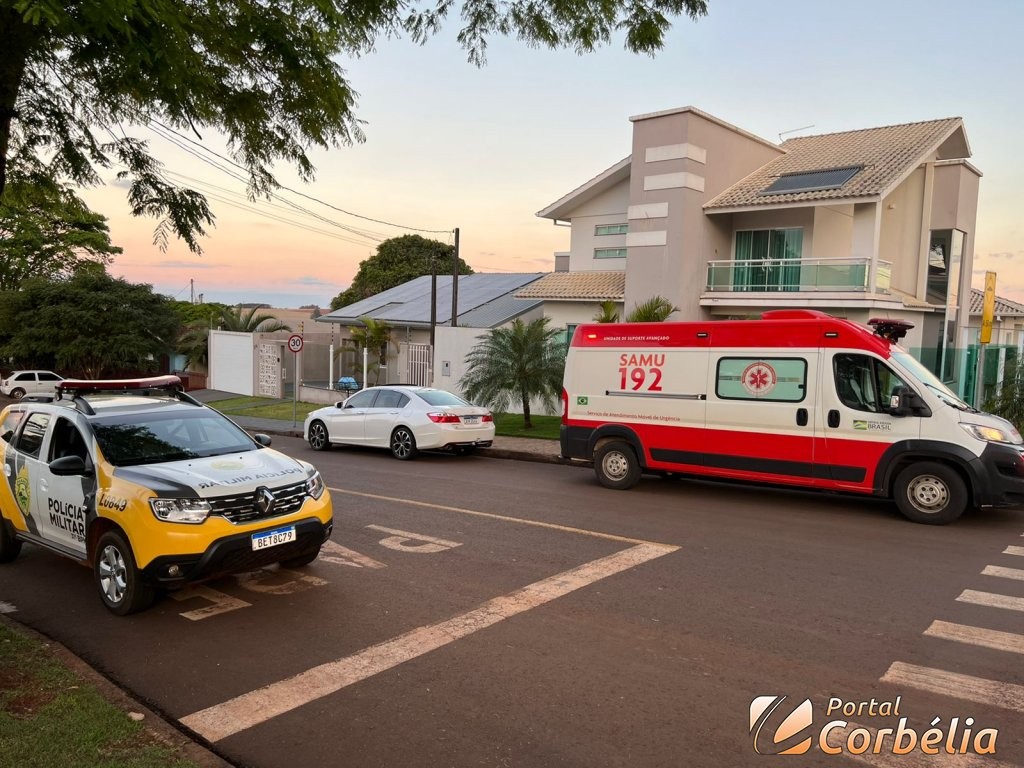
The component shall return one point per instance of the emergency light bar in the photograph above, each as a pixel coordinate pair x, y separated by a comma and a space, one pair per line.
84, 386
893, 330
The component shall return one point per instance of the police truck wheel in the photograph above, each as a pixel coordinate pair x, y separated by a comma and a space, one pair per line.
616, 465
18, 393
318, 439
930, 493
9, 546
121, 586
403, 444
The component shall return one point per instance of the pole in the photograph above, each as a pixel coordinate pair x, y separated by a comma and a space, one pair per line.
455, 282
295, 389
365, 366
433, 302
330, 366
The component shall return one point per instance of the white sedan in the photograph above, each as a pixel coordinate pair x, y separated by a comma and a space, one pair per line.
404, 419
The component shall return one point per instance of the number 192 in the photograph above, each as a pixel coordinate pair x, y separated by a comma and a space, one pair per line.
639, 377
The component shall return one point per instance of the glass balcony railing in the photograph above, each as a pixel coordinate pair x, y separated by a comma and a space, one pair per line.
847, 274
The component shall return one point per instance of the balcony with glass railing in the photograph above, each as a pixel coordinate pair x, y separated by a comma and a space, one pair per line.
842, 275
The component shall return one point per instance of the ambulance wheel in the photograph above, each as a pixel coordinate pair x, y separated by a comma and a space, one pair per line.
9, 546
318, 439
616, 465
121, 585
930, 493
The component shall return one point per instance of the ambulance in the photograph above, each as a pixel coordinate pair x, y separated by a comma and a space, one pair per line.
797, 398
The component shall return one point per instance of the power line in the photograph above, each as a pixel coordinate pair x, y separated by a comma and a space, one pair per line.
289, 189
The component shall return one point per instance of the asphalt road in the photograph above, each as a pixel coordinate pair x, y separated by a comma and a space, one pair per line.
482, 612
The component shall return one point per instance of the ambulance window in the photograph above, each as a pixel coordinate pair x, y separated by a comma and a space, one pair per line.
769, 379
864, 383
31, 438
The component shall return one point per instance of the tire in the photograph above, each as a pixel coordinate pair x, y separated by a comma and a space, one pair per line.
9, 546
301, 560
18, 393
616, 465
403, 444
120, 583
318, 439
930, 493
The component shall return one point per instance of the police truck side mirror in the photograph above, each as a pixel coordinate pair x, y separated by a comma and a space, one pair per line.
68, 466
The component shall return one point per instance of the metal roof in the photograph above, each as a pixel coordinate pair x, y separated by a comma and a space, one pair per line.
409, 303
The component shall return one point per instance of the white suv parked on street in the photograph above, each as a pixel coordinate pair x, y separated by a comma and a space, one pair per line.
21, 383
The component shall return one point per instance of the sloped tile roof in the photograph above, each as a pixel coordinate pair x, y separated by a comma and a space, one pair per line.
585, 286
885, 155
1004, 307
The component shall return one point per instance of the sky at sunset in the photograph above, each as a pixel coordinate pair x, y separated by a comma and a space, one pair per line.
449, 145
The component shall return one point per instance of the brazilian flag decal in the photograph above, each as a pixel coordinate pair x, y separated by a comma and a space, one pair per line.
581, 401
860, 424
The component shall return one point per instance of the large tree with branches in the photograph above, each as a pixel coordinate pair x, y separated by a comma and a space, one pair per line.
75, 74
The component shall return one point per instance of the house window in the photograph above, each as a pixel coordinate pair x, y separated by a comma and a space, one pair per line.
611, 229
768, 260
609, 253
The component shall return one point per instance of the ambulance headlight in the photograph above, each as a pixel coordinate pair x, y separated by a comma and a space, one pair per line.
181, 510
990, 434
315, 485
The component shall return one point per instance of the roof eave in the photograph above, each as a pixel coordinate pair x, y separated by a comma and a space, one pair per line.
604, 180
792, 204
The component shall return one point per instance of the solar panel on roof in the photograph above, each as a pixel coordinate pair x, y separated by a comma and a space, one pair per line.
812, 181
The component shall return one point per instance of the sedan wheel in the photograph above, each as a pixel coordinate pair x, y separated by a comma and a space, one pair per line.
403, 444
318, 439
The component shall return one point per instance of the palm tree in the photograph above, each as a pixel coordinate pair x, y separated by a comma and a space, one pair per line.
375, 336
655, 310
1008, 400
524, 361
195, 342
608, 312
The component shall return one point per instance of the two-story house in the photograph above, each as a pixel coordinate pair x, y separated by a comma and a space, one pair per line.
723, 223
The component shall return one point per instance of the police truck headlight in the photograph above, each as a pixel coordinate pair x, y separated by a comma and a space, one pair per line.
315, 485
181, 510
993, 434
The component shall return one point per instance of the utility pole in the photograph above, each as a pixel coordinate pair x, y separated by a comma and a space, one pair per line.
455, 282
192, 291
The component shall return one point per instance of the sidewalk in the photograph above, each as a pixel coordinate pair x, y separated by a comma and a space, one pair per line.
521, 448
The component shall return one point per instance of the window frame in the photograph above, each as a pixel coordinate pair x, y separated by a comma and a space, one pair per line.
605, 253
623, 229
750, 360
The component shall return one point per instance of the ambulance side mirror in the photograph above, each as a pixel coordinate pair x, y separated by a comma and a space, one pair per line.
906, 402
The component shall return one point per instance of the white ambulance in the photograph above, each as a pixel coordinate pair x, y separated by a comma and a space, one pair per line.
796, 398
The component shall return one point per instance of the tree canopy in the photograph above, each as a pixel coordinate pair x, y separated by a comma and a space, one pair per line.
264, 73
399, 260
47, 231
90, 324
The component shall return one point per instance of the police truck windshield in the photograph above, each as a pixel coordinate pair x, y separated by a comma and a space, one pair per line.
132, 440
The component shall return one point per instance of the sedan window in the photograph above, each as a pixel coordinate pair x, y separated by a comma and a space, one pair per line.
362, 399
390, 398
441, 397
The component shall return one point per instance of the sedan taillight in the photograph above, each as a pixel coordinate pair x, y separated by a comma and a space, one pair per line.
487, 417
444, 418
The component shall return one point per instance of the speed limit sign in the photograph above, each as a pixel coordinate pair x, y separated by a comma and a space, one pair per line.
295, 343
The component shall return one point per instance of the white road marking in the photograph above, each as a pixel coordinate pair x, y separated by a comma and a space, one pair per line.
1014, 550
222, 603
1006, 573
976, 689
250, 709
339, 555
988, 638
915, 759
263, 581
492, 516
991, 600
7, 607
398, 540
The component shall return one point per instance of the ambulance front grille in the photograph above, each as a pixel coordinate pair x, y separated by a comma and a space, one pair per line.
242, 508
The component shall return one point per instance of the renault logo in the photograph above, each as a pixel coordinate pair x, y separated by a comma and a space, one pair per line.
264, 501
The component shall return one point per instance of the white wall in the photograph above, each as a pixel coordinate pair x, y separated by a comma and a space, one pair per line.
607, 208
231, 362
